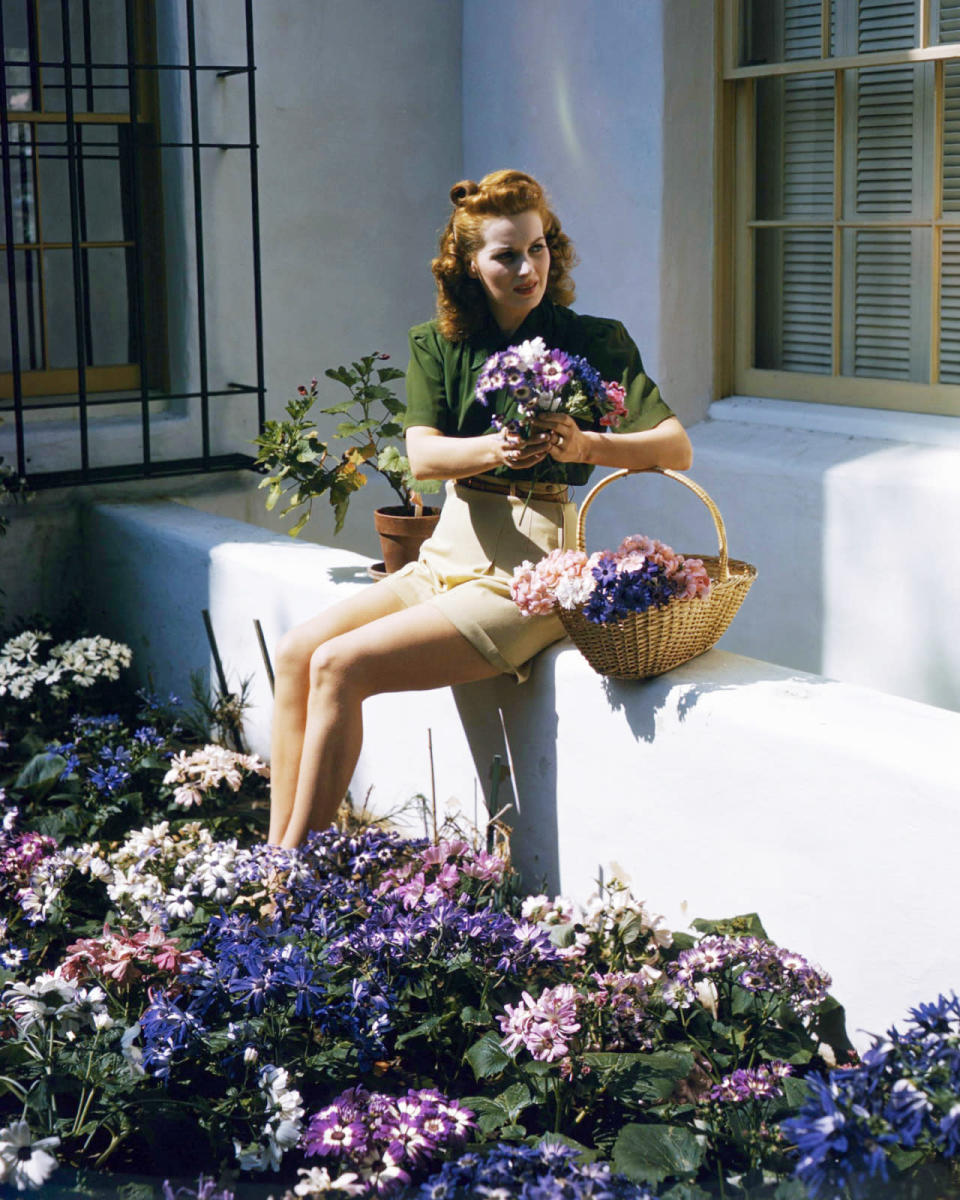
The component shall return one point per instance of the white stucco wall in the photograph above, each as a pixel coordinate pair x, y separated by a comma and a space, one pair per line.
573, 94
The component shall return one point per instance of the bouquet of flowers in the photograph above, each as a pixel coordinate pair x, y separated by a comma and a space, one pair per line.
610, 585
541, 380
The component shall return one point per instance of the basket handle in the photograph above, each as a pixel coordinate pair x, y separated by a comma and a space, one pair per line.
697, 490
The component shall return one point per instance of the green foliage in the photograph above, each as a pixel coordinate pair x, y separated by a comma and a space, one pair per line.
301, 467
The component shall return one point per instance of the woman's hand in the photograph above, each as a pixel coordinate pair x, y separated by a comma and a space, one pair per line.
565, 439
519, 453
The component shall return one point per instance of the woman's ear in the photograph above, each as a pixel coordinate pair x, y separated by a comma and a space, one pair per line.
472, 269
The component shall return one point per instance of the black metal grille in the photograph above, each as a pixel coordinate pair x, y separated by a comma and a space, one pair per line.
86, 110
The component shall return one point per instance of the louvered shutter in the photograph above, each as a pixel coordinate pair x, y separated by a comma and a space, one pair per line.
887, 168
949, 21
950, 307
795, 328
949, 30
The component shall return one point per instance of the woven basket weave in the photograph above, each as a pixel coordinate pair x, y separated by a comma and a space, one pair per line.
660, 639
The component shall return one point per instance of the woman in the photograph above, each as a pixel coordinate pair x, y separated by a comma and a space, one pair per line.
502, 277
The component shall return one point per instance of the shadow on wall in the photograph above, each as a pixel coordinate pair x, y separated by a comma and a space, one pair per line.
573, 739
518, 723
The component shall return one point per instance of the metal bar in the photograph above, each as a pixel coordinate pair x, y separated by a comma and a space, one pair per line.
220, 68
34, 344
264, 653
33, 36
84, 254
88, 54
78, 298
122, 472
84, 245
255, 220
11, 268
232, 724
95, 401
198, 230
139, 288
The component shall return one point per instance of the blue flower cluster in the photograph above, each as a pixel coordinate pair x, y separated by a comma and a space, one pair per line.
248, 968
617, 595
114, 773
545, 1172
905, 1092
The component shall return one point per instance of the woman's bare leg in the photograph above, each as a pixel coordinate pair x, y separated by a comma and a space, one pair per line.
292, 688
414, 649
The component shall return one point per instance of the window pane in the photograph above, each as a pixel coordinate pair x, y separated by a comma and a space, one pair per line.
108, 334
17, 48
30, 339
883, 317
111, 328
887, 25
950, 307
102, 40
949, 21
885, 162
795, 147
951, 136
780, 30
794, 300
99, 183
23, 188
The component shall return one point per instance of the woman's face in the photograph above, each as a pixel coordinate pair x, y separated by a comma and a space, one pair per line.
512, 266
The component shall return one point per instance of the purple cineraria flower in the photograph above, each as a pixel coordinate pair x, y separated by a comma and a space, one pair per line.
331, 1135
752, 1083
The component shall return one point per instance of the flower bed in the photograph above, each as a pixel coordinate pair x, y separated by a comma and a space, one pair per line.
375, 1014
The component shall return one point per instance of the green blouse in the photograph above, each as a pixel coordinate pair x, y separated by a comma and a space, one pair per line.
442, 376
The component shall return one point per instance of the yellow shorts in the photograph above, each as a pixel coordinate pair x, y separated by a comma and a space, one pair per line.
466, 567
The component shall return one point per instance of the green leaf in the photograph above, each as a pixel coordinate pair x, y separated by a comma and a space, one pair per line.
795, 1091
42, 772
746, 923
352, 428
689, 1191
304, 518
487, 1057
830, 1026
386, 374
650, 1153
475, 1016
514, 1099
338, 409
426, 1026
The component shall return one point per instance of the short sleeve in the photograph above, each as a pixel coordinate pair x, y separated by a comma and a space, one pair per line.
425, 387
615, 355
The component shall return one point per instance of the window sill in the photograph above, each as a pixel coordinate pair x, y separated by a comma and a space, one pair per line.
918, 428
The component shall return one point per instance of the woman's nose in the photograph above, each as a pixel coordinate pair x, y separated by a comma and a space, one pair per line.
525, 267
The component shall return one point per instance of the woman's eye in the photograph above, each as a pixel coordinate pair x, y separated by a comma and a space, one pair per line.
538, 247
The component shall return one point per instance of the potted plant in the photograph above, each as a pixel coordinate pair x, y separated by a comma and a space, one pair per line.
302, 468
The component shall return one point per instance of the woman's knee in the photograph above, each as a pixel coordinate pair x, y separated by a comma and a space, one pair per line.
332, 664
293, 653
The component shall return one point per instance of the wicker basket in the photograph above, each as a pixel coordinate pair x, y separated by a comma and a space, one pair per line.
660, 639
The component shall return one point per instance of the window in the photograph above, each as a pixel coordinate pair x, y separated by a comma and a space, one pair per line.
845, 121
105, 269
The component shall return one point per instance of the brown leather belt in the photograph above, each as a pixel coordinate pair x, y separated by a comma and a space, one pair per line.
524, 488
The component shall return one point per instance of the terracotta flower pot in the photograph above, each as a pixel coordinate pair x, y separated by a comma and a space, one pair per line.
402, 533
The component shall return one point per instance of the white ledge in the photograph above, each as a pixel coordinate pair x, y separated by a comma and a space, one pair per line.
917, 428
729, 785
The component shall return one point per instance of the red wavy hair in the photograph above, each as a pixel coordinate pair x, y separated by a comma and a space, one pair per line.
461, 302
